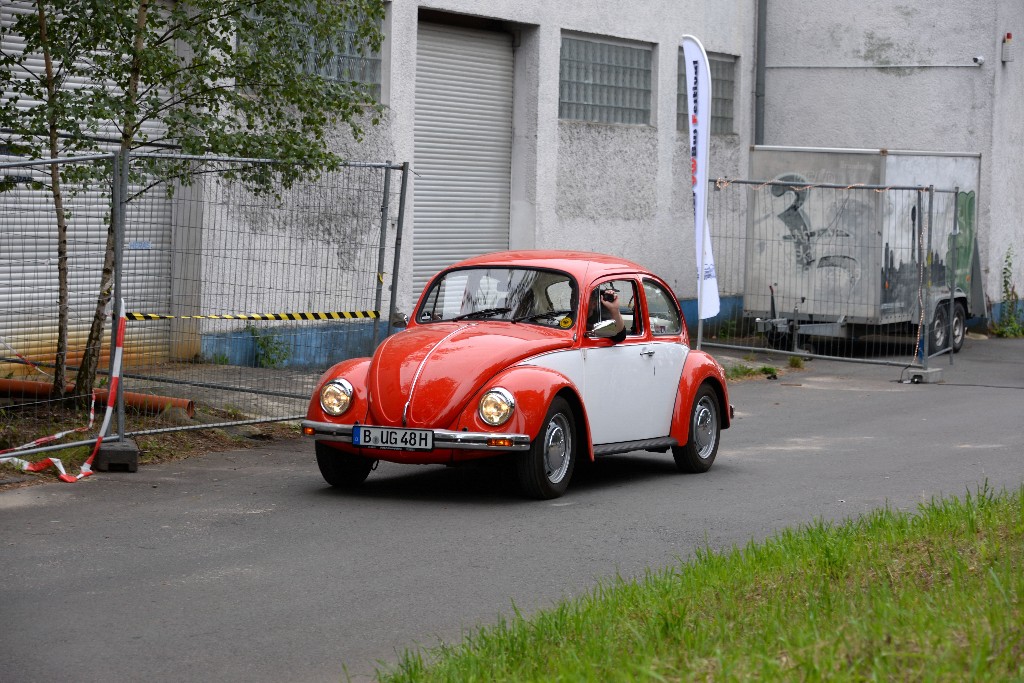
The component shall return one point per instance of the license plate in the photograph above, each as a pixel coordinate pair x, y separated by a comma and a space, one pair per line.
394, 439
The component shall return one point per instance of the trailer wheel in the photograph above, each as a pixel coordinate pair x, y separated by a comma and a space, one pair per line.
938, 331
959, 331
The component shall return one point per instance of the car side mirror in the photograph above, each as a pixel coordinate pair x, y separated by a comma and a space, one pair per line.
592, 332
399, 319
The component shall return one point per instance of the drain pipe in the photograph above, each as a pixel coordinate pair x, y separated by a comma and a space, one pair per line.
759, 71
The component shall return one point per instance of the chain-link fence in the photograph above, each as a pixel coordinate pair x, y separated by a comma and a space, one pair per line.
240, 289
865, 272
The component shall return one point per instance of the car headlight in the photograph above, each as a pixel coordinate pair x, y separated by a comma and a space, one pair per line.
496, 406
336, 396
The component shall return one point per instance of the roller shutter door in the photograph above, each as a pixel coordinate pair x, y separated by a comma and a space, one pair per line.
28, 253
463, 147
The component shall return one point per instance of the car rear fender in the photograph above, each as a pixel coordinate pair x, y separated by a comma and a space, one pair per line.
698, 369
534, 388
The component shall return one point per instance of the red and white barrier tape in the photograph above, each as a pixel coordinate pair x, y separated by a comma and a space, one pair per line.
59, 435
115, 378
25, 360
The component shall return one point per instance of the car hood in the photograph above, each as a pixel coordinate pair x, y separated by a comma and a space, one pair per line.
441, 366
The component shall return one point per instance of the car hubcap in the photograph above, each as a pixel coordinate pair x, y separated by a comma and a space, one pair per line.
557, 448
704, 423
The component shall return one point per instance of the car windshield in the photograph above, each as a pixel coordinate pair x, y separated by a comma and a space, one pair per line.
542, 297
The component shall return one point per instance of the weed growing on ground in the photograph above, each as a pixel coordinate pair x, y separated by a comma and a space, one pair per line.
1010, 323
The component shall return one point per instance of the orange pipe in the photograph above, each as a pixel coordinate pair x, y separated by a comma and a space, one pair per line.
146, 403
151, 403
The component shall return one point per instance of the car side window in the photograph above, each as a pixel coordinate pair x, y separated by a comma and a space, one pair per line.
601, 321
662, 309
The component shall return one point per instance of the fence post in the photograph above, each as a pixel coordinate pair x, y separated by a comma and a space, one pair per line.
120, 191
380, 250
393, 308
922, 351
952, 271
927, 314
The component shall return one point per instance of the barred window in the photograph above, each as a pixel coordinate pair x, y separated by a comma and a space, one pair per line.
604, 82
345, 63
338, 59
723, 88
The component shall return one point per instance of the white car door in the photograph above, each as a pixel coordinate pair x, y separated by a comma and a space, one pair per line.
630, 390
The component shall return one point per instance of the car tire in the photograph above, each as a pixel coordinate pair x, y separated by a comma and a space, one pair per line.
545, 470
704, 430
959, 331
340, 469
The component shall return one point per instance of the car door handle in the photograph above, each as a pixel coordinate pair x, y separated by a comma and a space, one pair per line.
647, 352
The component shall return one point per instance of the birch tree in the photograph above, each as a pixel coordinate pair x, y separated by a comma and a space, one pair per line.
245, 78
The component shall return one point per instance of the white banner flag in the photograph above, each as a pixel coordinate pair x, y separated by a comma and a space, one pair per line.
698, 83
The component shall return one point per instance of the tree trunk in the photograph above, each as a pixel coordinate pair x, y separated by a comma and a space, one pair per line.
61, 357
86, 378
63, 306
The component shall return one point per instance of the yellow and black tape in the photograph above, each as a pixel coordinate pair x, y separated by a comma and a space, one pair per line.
334, 315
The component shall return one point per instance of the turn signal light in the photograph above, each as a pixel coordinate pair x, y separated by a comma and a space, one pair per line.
308, 431
499, 442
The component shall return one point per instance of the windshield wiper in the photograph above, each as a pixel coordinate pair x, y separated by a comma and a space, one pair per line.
538, 316
482, 313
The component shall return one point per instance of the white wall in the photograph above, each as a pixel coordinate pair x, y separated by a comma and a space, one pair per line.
615, 188
873, 74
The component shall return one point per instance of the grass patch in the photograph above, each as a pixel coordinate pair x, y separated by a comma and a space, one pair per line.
745, 372
796, 362
935, 595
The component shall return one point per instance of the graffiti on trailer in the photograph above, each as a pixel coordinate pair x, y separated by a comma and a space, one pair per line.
960, 252
795, 218
828, 249
900, 280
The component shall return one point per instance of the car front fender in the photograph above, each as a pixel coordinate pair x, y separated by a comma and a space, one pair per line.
355, 371
534, 388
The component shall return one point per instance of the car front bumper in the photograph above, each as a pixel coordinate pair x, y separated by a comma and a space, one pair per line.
443, 438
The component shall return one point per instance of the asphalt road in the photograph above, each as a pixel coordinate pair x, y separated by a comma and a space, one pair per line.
244, 566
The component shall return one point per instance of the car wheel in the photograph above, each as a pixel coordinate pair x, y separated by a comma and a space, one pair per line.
959, 327
340, 469
545, 470
705, 427
938, 337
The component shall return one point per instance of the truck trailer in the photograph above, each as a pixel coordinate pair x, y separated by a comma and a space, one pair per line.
851, 243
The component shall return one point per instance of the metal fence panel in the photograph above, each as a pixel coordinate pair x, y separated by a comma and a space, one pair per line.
852, 272
237, 299
262, 292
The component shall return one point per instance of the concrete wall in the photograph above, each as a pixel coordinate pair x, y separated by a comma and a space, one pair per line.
617, 188
1006, 211
873, 74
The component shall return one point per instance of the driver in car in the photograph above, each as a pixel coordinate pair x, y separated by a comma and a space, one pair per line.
604, 308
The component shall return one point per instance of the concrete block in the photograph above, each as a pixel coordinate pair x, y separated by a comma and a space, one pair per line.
929, 376
117, 455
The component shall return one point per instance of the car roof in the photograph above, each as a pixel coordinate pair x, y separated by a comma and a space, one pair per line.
583, 265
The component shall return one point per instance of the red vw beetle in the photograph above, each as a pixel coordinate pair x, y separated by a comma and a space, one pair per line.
550, 356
